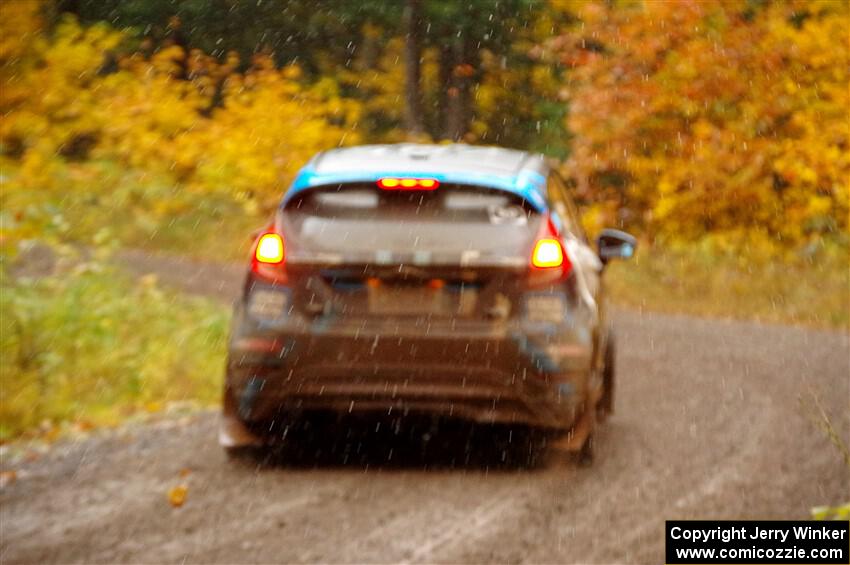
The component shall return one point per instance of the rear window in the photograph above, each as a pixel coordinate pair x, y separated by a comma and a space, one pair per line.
448, 202
452, 218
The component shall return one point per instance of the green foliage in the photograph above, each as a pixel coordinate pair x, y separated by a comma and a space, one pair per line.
91, 346
358, 45
306, 32
840, 512
104, 204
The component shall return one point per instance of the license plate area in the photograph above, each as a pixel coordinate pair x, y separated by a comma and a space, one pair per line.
395, 300
419, 300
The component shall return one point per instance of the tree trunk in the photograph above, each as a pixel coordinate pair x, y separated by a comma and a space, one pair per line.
371, 50
413, 117
459, 107
444, 83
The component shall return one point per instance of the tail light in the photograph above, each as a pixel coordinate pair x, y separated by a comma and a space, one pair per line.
269, 256
548, 253
269, 249
393, 183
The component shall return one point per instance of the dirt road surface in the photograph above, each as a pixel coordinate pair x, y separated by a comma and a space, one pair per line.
708, 425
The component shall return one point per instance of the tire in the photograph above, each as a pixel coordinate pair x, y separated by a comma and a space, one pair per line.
523, 450
609, 372
245, 455
585, 455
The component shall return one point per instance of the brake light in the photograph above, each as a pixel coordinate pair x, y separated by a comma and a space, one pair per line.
267, 261
395, 183
548, 253
269, 248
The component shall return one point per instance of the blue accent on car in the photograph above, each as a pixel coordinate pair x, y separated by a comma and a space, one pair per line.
536, 354
249, 396
529, 185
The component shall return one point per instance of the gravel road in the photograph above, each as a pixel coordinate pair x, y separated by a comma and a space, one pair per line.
709, 425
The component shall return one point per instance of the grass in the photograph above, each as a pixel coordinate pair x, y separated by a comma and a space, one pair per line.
91, 347
813, 293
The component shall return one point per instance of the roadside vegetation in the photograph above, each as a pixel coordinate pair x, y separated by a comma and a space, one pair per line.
812, 292
102, 204
89, 347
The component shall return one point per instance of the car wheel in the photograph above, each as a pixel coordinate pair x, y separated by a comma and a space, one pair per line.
524, 448
606, 404
585, 455
245, 454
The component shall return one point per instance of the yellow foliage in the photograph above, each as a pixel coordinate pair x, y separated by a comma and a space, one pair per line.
49, 97
267, 128
18, 20
188, 117
380, 84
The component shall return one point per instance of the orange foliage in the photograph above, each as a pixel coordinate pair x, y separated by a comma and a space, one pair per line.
725, 122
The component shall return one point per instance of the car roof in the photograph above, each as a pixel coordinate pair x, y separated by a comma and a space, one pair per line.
518, 172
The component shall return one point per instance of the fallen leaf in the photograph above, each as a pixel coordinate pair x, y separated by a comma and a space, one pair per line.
83, 426
50, 433
177, 495
184, 472
154, 407
148, 281
7, 478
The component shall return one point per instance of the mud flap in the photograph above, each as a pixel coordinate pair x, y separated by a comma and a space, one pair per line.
575, 439
232, 432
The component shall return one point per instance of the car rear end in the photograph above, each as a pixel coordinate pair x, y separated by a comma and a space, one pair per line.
408, 295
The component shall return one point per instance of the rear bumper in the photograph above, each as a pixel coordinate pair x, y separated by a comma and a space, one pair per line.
506, 376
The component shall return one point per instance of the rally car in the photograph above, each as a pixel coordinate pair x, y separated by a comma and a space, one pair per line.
446, 280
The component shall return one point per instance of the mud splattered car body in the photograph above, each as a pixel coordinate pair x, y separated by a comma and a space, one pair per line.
450, 280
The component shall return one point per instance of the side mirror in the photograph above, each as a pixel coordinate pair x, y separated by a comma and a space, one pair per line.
615, 244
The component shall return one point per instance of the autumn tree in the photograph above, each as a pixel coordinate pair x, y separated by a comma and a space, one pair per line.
718, 120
